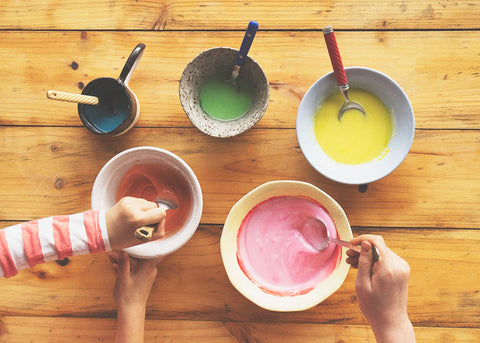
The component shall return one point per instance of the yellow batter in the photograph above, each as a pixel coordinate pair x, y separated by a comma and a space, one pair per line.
357, 138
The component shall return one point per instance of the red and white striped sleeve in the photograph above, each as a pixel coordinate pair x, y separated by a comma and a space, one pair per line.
27, 244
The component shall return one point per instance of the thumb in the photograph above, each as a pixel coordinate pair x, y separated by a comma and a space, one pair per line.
365, 265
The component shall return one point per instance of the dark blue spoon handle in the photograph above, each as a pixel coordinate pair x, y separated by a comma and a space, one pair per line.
246, 43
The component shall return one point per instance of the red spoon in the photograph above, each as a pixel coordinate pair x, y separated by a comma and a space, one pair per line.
339, 72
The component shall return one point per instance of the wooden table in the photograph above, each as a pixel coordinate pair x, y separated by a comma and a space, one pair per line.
427, 210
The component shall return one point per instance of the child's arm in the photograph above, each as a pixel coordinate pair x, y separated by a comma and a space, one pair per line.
134, 282
28, 244
382, 290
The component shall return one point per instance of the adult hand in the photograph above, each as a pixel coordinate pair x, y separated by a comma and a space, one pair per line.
129, 214
382, 289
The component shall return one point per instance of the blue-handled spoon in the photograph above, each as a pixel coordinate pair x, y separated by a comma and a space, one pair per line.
242, 53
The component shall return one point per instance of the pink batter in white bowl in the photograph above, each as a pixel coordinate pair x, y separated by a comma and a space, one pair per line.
265, 255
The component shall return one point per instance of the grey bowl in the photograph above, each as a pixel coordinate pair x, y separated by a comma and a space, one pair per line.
206, 64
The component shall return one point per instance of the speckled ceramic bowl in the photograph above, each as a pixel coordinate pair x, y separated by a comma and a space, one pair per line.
229, 247
206, 64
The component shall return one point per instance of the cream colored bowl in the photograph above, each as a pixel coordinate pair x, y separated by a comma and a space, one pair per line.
228, 246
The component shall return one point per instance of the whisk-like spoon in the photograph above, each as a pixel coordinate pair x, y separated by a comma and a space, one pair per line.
339, 72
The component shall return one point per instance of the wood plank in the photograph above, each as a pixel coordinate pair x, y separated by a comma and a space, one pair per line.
272, 15
443, 93
56, 173
52, 330
192, 285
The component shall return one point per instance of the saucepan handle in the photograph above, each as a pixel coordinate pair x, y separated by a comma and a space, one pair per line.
131, 63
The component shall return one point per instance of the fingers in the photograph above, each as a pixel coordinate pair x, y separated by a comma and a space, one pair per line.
352, 253
133, 263
160, 230
352, 258
373, 239
114, 257
123, 265
141, 203
365, 261
353, 262
376, 241
151, 216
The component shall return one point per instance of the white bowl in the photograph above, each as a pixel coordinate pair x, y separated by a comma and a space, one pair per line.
110, 176
396, 102
228, 246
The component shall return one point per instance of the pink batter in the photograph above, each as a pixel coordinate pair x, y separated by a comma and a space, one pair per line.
273, 253
158, 182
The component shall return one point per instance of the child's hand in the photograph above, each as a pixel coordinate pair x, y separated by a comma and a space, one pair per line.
129, 214
382, 289
135, 279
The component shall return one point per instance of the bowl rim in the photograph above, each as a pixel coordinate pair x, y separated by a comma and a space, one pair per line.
360, 173
161, 247
228, 247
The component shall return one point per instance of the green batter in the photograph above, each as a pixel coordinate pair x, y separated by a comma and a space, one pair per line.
223, 101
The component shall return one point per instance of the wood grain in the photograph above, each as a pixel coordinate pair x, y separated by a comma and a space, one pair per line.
443, 94
26, 329
427, 209
56, 173
227, 15
443, 288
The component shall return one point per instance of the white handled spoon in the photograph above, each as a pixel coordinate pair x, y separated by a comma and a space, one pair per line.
145, 233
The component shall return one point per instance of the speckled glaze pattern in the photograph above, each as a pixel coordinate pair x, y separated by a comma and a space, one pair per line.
206, 64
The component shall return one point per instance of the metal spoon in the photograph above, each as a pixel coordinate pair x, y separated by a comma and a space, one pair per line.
339, 72
145, 233
242, 53
316, 234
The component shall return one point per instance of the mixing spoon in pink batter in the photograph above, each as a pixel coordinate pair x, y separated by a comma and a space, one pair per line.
316, 234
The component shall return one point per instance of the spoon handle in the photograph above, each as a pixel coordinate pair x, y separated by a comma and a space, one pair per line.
357, 248
131, 63
246, 43
145, 233
72, 97
335, 58
346, 244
